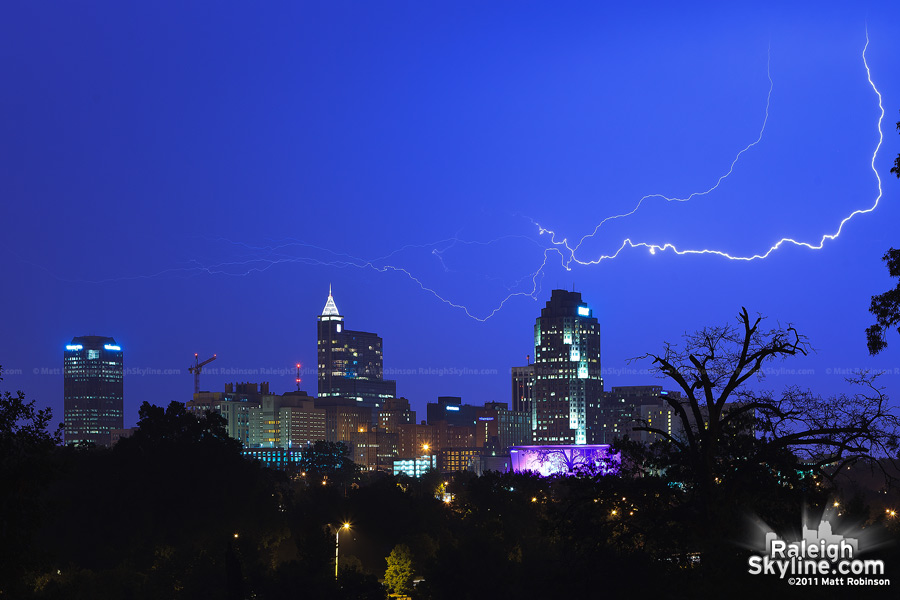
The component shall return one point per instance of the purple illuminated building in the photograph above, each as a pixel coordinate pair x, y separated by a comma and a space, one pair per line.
563, 459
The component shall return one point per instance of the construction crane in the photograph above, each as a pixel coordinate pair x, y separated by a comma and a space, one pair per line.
196, 368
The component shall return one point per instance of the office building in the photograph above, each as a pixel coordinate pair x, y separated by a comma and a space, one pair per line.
344, 417
287, 421
523, 392
395, 412
415, 467
452, 410
234, 404
568, 385
350, 362
625, 408
93, 371
374, 449
497, 428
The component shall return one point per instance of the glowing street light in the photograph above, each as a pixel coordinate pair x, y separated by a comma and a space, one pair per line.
337, 541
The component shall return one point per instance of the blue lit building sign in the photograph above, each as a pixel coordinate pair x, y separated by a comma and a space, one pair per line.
74, 347
584, 311
485, 418
451, 407
113, 348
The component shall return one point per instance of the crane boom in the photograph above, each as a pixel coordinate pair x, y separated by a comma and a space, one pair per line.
197, 367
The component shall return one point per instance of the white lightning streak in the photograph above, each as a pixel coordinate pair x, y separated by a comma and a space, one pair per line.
691, 196
654, 247
261, 258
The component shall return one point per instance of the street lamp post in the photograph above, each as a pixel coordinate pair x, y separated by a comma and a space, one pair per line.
337, 541
425, 447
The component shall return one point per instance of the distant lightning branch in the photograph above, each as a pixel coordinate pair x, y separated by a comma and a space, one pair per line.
571, 251
655, 247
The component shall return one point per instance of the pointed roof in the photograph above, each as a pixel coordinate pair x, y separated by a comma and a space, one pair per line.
330, 308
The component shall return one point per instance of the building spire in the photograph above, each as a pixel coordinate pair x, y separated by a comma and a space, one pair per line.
330, 307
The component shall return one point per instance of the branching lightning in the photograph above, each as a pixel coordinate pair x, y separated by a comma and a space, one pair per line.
571, 251
661, 247
257, 259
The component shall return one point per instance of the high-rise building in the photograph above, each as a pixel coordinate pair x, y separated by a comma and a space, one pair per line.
568, 385
523, 392
350, 362
93, 389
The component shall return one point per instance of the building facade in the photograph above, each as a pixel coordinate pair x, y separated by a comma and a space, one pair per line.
93, 388
234, 404
523, 392
625, 408
497, 428
452, 410
568, 385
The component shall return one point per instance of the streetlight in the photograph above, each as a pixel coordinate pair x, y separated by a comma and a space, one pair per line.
337, 541
425, 447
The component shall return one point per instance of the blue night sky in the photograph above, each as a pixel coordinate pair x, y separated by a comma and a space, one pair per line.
188, 179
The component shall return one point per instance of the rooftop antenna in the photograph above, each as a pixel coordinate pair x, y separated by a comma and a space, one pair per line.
298, 377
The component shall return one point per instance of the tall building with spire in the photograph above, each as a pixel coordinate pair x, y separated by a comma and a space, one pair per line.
567, 384
350, 362
92, 386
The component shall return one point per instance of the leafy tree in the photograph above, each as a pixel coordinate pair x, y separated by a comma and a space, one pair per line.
174, 511
174, 426
399, 575
329, 460
24, 428
896, 168
25, 446
886, 306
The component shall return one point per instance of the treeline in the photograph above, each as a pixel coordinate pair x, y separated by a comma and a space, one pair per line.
176, 512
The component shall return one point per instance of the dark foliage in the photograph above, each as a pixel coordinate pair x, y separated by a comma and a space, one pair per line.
885, 307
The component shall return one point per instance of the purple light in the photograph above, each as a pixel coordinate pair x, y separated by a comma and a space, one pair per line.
552, 460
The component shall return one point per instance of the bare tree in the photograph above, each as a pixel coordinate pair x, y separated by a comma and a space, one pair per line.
727, 428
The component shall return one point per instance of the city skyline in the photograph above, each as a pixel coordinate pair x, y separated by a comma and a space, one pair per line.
183, 187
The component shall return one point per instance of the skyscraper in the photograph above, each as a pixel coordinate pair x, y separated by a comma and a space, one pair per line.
92, 387
350, 362
567, 385
523, 392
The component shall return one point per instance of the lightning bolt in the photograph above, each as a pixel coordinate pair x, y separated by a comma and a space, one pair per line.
260, 258
657, 247
723, 177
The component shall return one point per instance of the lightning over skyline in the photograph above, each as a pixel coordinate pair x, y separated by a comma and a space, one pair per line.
444, 167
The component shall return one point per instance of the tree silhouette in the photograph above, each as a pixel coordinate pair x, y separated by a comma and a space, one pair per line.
733, 439
886, 306
896, 168
25, 447
329, 461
